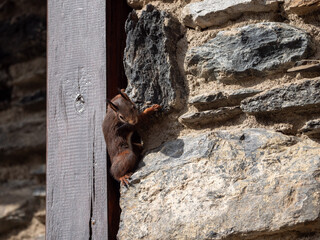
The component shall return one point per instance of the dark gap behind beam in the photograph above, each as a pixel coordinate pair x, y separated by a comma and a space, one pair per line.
116, 14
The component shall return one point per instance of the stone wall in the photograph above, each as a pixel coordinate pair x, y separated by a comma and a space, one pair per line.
235, 154
22, 118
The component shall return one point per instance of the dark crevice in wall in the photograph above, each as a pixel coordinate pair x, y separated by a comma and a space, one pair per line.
93, 196
116, 14
90, 219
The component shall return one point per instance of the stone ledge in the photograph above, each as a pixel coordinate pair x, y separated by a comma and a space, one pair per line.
210, 116
209, 13
199, 187
221, 99
302, 7
297, 98
311, 128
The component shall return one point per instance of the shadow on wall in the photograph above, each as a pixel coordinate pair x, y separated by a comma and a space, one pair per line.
174, 150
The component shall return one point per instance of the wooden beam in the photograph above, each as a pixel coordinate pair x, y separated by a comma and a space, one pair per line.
76, 153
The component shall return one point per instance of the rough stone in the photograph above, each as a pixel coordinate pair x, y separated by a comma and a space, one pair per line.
138, 4
221, 99
41, 216
34, 102
39, 192
248, 184
22, 138
210, 116
22, 133
302, 7
24, 39
285, 128
39, 170
29, 74
252, 50
209, 13
300, 97
40, 173
150, 59
13, 9
306, 66
15, 208
311, 127
4, 77
41, 237
5, 90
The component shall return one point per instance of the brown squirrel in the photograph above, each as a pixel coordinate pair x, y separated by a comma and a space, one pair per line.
121, 121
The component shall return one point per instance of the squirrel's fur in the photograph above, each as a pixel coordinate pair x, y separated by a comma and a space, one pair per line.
121, 121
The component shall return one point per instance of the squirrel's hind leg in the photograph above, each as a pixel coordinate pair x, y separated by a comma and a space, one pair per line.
125, 179
122, 164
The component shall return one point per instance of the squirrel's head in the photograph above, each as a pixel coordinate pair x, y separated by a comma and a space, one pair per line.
124, 108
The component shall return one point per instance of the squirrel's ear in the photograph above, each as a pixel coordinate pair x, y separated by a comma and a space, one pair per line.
114, 107
124, 95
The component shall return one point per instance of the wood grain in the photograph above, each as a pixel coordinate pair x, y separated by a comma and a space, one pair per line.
76, 153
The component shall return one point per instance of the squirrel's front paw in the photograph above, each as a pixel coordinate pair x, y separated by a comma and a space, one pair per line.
156, 107
152, 109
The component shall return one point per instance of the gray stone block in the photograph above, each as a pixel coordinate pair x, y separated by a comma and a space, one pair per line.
16, 208
302, 7
221, 99
20, 139
22, 39
150, 59
219, 185
311, 128
300, 97
209, 13
210, 116
249, 51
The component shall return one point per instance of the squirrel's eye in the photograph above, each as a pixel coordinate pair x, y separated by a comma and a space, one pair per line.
122, 118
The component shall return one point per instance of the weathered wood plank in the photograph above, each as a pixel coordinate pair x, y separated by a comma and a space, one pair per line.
76, 154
